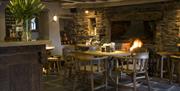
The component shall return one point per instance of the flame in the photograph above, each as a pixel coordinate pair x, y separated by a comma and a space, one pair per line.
136, 44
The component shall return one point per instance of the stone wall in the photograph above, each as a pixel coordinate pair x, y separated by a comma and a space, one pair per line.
165, 15
168, 28
81, 24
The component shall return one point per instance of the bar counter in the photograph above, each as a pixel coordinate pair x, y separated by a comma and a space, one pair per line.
24, 43
21, 65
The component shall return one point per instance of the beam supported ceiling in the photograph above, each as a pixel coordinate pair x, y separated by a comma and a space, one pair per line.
111, 3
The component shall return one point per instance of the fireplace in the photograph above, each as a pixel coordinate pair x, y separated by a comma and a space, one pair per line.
127, 31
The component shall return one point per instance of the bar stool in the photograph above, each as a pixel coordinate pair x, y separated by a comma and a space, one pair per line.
174, 60
54, 65
162, 62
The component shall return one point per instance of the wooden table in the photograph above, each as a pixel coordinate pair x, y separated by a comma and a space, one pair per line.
50, 47
99, 53
109, 54
164, 55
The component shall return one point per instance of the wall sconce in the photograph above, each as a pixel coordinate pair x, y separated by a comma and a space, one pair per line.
179, 32
86, 11
55, 18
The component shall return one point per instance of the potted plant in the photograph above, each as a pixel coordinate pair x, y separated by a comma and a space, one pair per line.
24, 11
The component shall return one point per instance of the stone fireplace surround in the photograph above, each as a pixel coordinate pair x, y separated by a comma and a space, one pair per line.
126, 31
165, 28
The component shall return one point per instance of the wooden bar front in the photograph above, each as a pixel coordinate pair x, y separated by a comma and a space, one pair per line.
21, 67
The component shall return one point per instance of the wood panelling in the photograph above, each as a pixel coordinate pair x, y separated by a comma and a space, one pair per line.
20, 68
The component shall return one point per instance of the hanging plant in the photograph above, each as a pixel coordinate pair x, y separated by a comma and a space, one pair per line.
25, 10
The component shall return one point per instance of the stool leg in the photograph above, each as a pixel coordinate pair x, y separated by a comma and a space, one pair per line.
162, 59
54, 67
178, 73
172, 71
58, 67
147, 79
49, 67
134, 81
98, 66
92, 78
106, 72
134, 75
157, 67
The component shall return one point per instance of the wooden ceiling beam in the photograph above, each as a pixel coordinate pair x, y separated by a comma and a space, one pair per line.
112, 3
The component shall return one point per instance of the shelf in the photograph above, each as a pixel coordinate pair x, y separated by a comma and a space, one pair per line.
9, 25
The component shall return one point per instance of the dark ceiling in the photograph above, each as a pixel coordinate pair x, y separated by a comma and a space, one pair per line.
99, 3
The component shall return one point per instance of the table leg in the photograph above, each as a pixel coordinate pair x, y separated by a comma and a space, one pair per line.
161, 71
178, 72
172, 71
106, 74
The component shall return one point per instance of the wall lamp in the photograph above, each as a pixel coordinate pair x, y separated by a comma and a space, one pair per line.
86, 11
55, 18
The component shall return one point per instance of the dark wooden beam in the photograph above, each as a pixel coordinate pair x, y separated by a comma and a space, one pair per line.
111, 3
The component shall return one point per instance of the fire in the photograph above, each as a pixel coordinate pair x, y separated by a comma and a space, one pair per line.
136, 44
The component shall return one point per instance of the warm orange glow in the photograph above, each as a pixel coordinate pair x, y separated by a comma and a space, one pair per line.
136, 44
125, 46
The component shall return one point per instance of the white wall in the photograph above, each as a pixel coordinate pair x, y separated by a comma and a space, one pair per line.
54, 28
43, 25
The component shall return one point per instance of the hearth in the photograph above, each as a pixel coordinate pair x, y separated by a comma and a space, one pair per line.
127, 31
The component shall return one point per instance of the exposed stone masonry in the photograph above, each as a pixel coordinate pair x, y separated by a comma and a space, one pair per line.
168, 28
81, 21
166, 16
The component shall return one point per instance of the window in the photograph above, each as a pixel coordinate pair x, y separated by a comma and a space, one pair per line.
33, 24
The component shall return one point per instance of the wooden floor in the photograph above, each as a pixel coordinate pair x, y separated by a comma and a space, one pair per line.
57, 83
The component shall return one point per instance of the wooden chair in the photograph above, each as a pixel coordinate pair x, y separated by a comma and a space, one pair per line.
135, 66
93, 66
69, 66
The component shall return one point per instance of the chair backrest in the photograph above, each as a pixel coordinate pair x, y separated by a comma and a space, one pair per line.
95, 63
90, 58
67, 51
140, 61
142, 55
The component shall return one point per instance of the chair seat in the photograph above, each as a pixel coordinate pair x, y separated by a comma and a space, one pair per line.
130, 68
53, 58
88, 68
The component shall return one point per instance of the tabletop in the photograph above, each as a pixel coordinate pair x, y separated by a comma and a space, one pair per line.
50, 47
99, 53
175, 57
178, 44
165, 53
